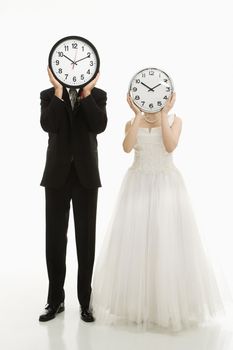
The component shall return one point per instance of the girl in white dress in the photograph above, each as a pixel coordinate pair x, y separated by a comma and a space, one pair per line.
153, 269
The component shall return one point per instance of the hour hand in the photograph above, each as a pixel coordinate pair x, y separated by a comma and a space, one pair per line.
69, 59
147, 86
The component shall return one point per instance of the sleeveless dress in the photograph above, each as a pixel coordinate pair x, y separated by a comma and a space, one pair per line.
152, 269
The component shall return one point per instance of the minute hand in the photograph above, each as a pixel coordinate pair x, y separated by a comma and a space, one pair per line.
82, 59
155, 86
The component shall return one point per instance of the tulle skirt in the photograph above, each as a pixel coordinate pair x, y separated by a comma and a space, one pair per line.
153, 269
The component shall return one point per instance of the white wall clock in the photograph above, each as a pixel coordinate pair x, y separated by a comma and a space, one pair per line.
150, 88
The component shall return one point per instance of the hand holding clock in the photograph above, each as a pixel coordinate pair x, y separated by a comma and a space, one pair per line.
164, 111
57, 86
137, 111
88, 88
169, 104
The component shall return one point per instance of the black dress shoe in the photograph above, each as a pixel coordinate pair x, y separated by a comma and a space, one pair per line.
86, 315
51, 312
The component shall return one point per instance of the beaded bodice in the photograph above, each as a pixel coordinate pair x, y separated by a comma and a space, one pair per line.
150, 154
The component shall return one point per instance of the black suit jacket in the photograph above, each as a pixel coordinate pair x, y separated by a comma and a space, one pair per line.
72, 135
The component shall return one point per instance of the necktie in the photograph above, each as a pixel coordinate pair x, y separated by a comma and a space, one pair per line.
73, 97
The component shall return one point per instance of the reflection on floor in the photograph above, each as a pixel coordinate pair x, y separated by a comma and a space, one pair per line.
21, 304
21, 330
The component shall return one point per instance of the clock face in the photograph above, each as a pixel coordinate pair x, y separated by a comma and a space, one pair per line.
150, 89
74, 61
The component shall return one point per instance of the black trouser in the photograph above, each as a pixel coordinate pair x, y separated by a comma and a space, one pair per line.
57, 216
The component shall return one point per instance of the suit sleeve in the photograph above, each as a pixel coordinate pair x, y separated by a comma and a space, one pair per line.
52, 111
95, 113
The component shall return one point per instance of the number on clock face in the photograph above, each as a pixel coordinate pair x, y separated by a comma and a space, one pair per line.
150, 89
74, 61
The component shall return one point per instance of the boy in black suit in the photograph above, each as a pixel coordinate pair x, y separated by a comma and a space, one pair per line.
71, 173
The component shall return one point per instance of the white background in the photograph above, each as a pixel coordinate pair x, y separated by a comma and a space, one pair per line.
191, 41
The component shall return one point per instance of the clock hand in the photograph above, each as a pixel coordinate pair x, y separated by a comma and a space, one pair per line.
156, 86
82, 59
162, 83
75, 58
147, 86
69, 59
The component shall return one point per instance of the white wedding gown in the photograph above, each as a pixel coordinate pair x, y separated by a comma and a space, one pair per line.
152, 269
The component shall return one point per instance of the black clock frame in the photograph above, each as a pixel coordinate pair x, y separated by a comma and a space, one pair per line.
74, 37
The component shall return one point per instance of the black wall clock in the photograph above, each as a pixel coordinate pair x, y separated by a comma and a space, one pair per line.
74, 61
